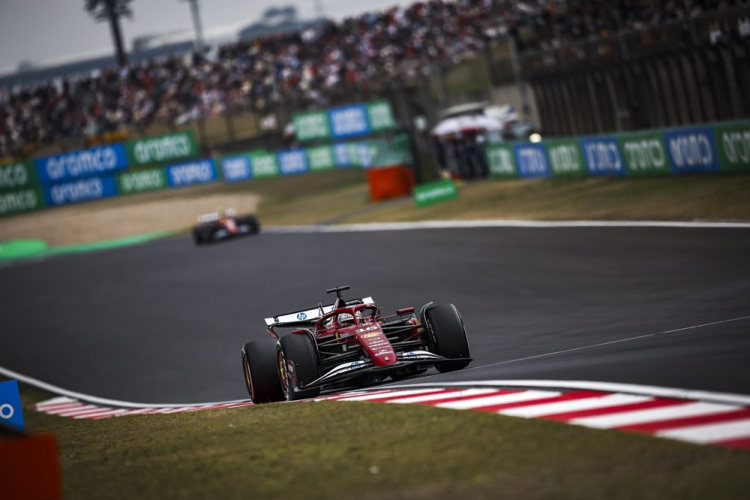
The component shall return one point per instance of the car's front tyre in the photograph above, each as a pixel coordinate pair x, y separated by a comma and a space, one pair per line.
447, 336
298, 365
259, 367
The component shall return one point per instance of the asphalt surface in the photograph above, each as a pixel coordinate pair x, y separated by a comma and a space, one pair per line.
164, 322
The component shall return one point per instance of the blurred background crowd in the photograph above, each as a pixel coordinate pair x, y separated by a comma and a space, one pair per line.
315, 66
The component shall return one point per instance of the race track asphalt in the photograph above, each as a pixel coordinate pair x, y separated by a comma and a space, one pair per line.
164, 322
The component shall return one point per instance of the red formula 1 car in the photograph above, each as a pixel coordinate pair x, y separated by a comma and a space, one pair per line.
350, 344
223, 225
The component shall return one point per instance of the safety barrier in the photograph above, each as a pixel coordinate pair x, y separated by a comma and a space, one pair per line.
122, 169
722, 147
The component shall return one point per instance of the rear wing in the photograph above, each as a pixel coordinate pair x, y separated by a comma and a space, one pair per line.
309, 316
214, 216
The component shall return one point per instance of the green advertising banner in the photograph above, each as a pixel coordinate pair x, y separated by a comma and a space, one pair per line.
18, 175
733, 145
501, 160
23, 200
565, 158
320, 158
264, 164
435, 192
311, 126
380, 115
139, 182
644, 153
166, 148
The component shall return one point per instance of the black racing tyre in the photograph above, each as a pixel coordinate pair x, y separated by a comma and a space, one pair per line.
197, 236
251, 221
259, 367
207, 234
447, 336
298, 364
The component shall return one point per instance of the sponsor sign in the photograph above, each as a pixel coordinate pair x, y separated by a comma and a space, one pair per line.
86, 163
162, 149
342, 155
188, 174
644, 153
531, 160
380, 115
349, 121
565, 158
501, 160
311, 126
366, 153
264, 165
602, 156
10, 405
435, 192
139, 182
17, 175
236, 168
691, 150
320, 158
80, 190
24, 200
292, 162
733, 144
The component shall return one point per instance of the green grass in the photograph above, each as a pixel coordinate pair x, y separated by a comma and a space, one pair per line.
696, 197
305, 199
335, 450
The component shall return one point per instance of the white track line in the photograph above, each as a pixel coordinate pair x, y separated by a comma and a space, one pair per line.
492, 223
94, 399
546, 409
601, 344
652, 415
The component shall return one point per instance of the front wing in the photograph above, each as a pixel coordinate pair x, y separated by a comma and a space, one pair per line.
354, 369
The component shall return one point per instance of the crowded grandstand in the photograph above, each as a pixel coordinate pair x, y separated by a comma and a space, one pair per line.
316, 66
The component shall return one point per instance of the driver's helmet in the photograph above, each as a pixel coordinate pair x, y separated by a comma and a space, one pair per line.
346, 319
363, 314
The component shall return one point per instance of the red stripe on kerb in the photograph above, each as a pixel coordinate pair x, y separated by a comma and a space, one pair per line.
643, 405
651, 427
556, 399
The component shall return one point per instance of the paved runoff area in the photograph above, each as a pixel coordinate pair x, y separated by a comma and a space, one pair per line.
695, 421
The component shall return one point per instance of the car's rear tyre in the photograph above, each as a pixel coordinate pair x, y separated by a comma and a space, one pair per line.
447, 336
297, 365
259, 367
197, 236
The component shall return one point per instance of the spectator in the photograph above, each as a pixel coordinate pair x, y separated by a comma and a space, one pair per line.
318, 65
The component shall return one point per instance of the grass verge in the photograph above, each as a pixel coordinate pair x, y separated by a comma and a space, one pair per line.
695, 197
320, 450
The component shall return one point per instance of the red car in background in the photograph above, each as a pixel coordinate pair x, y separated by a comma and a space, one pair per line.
351, 344
222, 225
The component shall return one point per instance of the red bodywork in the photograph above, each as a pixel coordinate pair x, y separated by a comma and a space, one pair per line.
229, 224
356, 325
